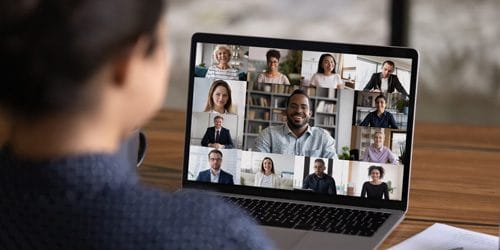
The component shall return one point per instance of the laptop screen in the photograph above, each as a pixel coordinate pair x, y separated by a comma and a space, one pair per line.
300, 120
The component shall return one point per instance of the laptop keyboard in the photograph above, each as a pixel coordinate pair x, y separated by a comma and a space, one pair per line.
311, 217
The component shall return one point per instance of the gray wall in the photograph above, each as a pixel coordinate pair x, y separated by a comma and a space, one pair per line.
457, 40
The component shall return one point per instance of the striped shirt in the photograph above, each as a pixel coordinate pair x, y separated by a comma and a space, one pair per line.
223, 74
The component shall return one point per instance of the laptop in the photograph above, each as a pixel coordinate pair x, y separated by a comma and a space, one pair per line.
312, 139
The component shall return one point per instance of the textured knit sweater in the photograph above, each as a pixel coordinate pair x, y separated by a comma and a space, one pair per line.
92, 202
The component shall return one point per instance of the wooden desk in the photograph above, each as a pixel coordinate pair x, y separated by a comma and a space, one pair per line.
455, 173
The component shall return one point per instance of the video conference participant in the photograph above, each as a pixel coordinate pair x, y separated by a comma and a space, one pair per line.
219, 98
379, 118
296, 136
319, 181
385, 81
222, 70
377, 152
266, 176
326, 76
272, 75
215, 174
69, 71
375, 189
217, 136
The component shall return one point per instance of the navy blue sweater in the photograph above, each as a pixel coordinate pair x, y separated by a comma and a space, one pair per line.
92, 202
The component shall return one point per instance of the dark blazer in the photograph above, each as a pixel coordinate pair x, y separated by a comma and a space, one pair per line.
224, 137
393, 83
224, 177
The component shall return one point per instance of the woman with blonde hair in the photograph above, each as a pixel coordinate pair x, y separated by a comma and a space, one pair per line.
222, 70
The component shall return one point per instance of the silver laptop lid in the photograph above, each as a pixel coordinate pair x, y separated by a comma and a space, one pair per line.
301, 120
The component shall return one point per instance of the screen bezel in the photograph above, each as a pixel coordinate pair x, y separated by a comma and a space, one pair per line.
407, 53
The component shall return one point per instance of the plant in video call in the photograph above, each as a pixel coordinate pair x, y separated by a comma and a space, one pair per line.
390, 188
402, 153
345, 153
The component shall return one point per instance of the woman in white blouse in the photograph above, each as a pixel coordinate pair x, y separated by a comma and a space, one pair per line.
326, 76
266, 176
272, 75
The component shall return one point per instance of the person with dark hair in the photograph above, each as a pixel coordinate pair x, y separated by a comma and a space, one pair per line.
272, 75
215, 174
217, 136
296, 136
385, 81
319, 181
77, 77
266, 176
222, 69
380, 118
219, 98
326, 77
375, 189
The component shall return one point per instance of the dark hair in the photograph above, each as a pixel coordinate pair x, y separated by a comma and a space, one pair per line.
391, 63
262, 164
218, 117
216, 151
210, 101
273, 53
321, 58
296, 92
320, 161
381, 96
379, 168
49, 49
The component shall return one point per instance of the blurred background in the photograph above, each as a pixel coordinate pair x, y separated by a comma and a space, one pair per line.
458, 41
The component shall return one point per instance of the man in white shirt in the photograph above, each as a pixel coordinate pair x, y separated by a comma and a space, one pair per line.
385, 81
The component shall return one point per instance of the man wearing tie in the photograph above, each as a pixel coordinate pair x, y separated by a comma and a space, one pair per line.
217, 136
215, 174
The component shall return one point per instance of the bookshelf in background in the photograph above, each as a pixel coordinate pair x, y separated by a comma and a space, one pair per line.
266, 106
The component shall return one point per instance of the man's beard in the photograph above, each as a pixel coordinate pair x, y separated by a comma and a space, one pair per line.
293, 125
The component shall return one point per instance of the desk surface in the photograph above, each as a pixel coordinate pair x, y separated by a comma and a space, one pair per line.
455, 173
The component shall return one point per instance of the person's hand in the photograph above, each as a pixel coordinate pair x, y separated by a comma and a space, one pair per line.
375, 90
216, 145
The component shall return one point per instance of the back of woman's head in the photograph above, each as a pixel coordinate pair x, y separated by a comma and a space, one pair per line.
50, 49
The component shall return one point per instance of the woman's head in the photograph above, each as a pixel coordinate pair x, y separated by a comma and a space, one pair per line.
219, 97
222, 54
267, 165
273, 60
376, 172
326, 64
380, 103
59, 56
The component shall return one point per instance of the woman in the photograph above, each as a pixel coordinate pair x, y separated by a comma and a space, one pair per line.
326, 76
380, 118
272, 75
375, 189
77, 76
219, 98
266, 176
377, 152
222, 56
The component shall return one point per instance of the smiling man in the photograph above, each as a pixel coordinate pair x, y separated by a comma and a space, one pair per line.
297, 137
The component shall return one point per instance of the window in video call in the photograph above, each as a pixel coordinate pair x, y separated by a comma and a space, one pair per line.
343, 132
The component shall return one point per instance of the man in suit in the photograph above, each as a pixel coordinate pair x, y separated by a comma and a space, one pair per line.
385, 81
215, 174
217, 136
